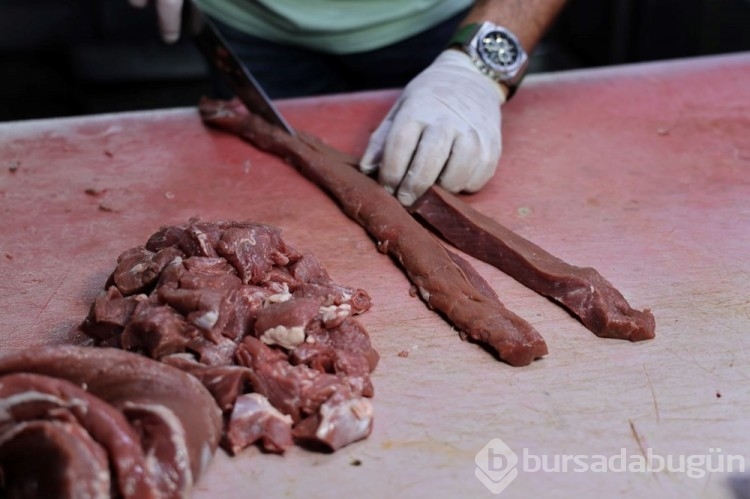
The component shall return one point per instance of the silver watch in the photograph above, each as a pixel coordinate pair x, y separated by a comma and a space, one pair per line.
495, 50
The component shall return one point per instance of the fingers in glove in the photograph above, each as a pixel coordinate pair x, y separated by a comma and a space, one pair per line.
485, 169
399, 148
429, 159
461, 164
472, 164
170, 19
373, 155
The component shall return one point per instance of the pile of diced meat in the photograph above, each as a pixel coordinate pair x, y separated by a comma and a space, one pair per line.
263, 326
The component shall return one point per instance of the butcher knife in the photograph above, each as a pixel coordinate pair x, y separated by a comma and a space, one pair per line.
218, 52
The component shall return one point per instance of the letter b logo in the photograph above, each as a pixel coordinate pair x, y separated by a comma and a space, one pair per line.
496, 465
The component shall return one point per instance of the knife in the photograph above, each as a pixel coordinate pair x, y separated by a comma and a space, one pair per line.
216, 49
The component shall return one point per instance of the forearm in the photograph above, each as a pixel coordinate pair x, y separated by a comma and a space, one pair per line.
527, 19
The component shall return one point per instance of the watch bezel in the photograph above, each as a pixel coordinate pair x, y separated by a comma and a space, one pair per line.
483, 42
509, 74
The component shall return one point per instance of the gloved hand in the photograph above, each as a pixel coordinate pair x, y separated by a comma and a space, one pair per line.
445, 127
169, 13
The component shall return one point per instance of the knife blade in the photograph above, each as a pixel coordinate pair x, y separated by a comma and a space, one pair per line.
218, 52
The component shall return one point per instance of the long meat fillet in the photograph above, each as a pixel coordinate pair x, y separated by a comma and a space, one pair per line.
442, 282
581, 290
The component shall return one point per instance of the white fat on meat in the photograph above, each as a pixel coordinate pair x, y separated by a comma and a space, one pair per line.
334, 314
344, 422
203, 242
138, 268
207, 320
285, 337
7, 403
281, 294
176, 473
250, 404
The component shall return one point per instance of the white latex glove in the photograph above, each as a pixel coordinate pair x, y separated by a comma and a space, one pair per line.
445, 128
169, 13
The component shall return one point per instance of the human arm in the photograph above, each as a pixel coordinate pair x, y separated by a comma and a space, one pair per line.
445, 127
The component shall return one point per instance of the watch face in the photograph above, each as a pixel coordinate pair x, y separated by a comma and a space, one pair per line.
498, 50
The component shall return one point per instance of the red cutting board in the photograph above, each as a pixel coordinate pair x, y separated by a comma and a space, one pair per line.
642, 172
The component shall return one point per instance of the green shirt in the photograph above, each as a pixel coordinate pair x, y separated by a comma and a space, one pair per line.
333, 26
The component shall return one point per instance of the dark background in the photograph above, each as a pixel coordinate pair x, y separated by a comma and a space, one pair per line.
73, 57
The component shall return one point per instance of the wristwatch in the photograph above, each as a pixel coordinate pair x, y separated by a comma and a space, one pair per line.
495, 50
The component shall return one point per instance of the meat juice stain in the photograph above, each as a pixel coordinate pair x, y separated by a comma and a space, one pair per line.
523, 211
